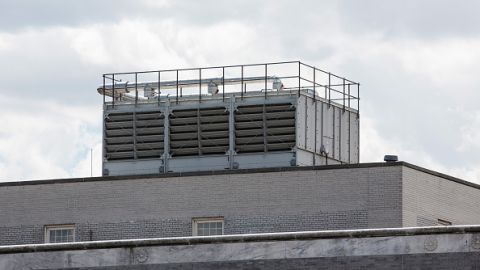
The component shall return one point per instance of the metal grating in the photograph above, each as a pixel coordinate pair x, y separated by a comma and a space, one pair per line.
199, 132
264, 128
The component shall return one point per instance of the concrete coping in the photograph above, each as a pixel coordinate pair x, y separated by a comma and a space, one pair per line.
263, 237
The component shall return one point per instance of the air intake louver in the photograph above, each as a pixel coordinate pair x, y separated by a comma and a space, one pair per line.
199, 132
120, 139
263, 128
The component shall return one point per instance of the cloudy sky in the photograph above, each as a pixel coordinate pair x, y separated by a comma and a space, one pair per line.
418, 62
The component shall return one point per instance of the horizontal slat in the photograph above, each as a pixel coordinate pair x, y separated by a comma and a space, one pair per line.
120, 155
185, 152
119, 148
214, 150
281, 138
153, 115
280, 146
150, 131
149, 123
183, 121
248, 117
249, 132
249, 140
119, 132
281, 123
249, 125
250, 148
183, 128
149, 146
123, 124
220, 126
214, 142
150, 138
127, 139
183, 144
150, 154
119, 117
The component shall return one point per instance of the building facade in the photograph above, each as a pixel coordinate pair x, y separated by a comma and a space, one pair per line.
334, 197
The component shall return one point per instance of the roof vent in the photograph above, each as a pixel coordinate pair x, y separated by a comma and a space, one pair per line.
390, 158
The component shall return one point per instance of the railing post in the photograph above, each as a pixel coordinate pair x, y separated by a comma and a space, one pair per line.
159, 79
349, 95
136, 88
113, 90
266, 74
329, 88
176, 97
299, 78
199, 85
314, 90
223, 84
241, 83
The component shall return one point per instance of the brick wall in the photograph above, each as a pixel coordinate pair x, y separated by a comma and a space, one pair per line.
344, 198
428, 197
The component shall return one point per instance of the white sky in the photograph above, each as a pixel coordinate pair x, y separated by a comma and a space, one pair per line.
418, 62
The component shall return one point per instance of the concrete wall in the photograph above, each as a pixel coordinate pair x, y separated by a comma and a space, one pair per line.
426, 248
428, 197
304, 199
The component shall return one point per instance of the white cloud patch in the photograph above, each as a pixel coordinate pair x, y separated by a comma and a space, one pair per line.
46, 139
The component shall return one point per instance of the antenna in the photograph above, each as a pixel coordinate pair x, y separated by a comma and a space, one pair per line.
91, 162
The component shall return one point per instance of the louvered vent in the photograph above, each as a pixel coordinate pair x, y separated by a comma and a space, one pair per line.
119, 136
263, 128
149, 134
120, 142
199, 132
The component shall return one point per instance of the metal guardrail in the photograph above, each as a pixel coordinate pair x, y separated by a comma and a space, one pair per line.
173, 83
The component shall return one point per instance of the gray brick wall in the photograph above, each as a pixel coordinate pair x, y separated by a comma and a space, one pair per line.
427, 198
162, 207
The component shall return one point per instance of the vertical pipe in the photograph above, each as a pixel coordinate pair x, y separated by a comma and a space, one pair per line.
266, 72
299, 78
136, 88
103, 89
177, 89
223, 84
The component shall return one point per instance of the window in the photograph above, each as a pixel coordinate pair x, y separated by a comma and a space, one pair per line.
444, 222
59, 233
207, 226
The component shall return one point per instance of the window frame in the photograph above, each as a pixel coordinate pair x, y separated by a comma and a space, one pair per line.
200, 220
50, 228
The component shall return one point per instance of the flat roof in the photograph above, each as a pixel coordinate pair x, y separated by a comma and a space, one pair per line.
240, 171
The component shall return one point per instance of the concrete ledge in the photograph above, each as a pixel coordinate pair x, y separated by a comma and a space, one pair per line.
243, 238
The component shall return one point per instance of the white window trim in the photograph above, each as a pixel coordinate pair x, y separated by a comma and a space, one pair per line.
49, 228
196, 221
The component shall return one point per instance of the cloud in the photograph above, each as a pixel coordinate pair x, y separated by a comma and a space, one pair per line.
418, 71
45, 139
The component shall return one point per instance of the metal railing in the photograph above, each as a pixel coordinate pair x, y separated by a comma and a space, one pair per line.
124, 87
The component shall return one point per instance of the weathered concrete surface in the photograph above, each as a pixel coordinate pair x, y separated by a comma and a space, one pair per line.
456, 247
